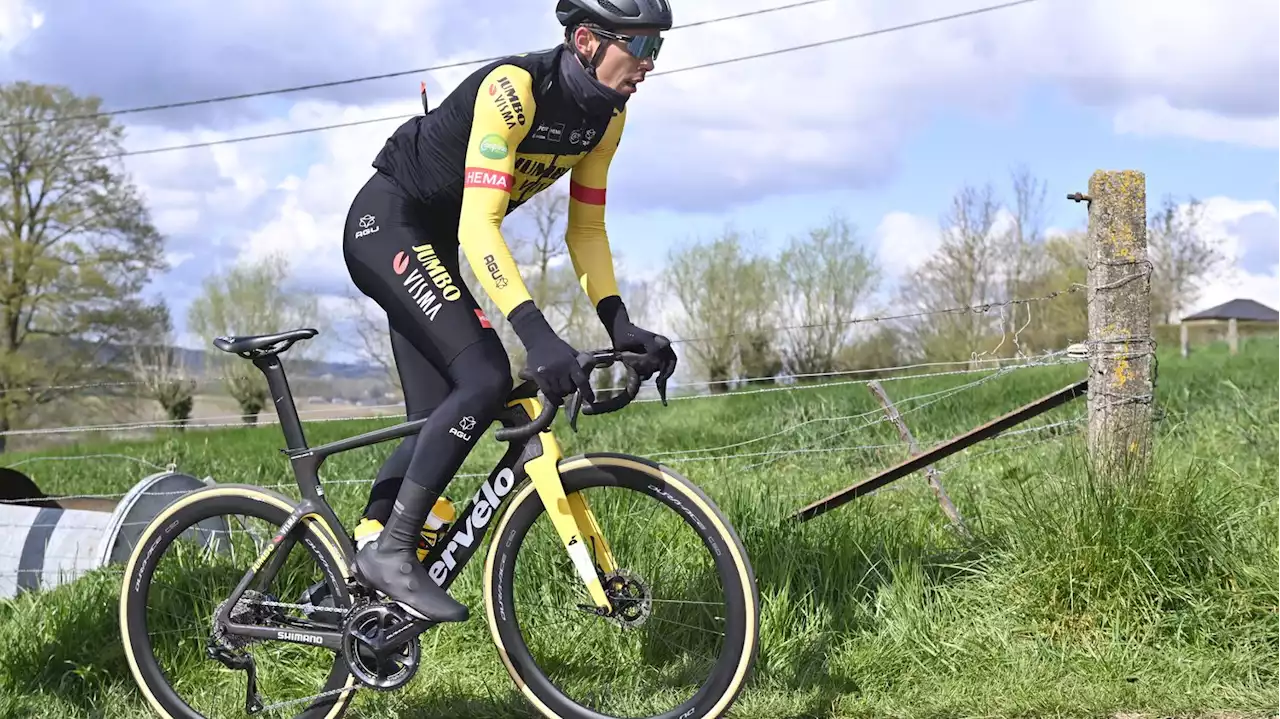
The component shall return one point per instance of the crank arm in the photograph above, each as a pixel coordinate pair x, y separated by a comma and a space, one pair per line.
406, 631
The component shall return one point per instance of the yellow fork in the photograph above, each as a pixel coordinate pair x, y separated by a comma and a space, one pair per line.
571, 516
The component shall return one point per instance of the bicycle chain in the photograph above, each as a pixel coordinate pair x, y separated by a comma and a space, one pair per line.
321, 695
305, 608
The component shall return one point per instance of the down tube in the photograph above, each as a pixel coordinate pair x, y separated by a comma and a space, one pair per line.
447, 558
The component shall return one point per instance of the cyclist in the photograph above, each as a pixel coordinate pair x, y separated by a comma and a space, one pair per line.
443, 182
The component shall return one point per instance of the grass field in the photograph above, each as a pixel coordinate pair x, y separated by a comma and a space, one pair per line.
1078, 596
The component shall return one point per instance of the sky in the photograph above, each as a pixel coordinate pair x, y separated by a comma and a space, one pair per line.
884, 130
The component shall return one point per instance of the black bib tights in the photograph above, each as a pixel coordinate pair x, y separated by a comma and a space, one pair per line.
452, 365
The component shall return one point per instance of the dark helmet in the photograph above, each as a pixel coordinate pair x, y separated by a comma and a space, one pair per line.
615, 14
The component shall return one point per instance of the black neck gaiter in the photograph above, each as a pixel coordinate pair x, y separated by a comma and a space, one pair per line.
592, 96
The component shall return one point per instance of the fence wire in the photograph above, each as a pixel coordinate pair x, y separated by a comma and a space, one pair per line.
754, 452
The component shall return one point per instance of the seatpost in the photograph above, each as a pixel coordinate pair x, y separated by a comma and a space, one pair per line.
283, 399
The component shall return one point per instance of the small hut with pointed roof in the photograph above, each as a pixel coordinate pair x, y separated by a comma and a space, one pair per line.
1254, 315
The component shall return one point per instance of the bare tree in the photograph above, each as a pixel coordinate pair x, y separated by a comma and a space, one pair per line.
724, 294
160, 368
251, 299
829, 276
370, 339
1023, 247
964, 272
1182, 256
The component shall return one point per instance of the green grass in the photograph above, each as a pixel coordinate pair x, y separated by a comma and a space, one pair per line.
1079, 595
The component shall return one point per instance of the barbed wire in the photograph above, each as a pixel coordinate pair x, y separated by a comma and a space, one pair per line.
843, 373
975, 357
981, 308
272, 420
934, 397
169, 468
476, 475
844, 418
950, 463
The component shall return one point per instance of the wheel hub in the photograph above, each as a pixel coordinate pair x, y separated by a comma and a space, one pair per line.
630, 596
248, 610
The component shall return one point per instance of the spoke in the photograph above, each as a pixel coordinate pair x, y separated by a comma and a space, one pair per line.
687, 601
687, 626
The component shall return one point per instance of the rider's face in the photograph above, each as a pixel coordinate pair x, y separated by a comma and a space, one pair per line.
618, 69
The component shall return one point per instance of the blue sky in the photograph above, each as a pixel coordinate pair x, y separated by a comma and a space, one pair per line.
884, 130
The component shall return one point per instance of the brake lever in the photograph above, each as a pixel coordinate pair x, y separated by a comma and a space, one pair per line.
588, 361
571, 407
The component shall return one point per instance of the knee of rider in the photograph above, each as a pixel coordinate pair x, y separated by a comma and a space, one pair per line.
486, 389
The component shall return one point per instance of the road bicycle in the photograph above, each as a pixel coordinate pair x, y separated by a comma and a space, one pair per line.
591, 571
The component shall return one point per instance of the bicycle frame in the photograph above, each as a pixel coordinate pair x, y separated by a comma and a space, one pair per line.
537, 456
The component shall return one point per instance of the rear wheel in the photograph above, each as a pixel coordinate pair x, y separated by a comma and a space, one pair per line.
684, 631
187, 562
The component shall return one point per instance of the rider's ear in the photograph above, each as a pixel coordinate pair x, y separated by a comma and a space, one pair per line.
584, 40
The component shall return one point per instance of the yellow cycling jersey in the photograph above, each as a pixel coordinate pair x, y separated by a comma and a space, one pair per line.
506, 133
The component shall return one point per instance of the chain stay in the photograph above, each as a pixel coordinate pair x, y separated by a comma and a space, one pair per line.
304, 608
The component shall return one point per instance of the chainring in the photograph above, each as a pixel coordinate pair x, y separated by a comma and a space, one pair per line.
368, 621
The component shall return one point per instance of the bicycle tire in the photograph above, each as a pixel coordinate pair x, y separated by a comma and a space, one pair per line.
156, 538
721, 688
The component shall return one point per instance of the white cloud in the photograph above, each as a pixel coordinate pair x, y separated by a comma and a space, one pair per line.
1223, 218
708, 138
17, 20
905, 241
837, 115
1155, 117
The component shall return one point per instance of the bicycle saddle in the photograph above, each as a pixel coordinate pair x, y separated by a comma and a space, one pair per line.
254, 346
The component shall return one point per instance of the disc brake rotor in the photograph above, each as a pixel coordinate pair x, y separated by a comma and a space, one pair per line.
630, 596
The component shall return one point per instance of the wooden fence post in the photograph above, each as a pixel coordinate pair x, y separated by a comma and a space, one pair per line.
1233, 335
1121, 346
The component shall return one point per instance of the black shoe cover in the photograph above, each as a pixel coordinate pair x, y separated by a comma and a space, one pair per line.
390, 563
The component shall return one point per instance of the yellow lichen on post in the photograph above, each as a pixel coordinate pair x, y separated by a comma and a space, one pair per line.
1121, 346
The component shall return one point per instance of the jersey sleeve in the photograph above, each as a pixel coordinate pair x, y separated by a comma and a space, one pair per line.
504, 107
585, 234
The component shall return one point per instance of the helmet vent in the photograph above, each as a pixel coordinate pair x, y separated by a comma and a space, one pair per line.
612, 8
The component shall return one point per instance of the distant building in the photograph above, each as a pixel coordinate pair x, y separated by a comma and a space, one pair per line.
1253, 317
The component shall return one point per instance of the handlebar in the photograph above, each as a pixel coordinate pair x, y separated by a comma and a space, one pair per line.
589, 361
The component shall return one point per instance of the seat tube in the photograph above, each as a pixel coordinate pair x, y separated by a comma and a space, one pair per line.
282, 398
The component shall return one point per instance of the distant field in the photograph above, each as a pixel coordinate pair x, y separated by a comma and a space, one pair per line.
1080, 596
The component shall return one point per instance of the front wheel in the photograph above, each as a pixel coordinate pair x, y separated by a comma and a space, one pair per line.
684, 629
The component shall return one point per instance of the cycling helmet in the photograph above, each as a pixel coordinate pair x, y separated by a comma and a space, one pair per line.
615, 14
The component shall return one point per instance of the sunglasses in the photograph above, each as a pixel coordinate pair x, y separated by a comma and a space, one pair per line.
641, 47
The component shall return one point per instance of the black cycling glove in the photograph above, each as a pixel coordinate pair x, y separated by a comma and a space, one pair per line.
551, 363
627, 337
